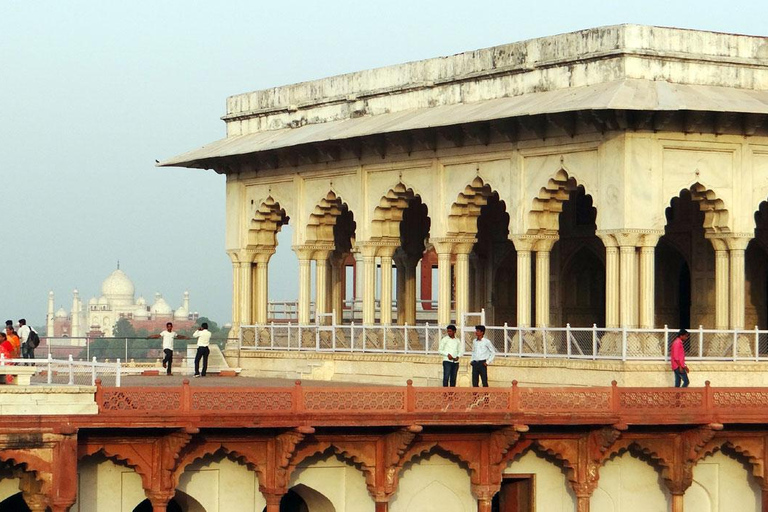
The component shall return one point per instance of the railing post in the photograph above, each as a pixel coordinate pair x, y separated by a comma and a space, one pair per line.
99, 395
300, 339
352, 334
514, 402
594, 342
333, 330
272, 334
240, 339
93, 372
568, 340
624, 343
186, 396
506, 339
117, 373
757, 344
482, 316
666, 341
735, 343
298, 397
256, 339
615, 402
71, 372
50, 368
426, 338
410, 398
384, 335
87, 348
289, 334
2, 359
126, 349
701, 340
544, 341
364, 337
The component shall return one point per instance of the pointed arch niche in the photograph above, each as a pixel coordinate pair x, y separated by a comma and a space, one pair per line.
685, 259
574, 270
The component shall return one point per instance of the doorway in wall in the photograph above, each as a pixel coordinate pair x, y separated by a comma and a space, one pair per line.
516, 494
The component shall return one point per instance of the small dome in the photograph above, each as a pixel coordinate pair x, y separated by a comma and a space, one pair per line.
160, 307
181, 313
118, 288
141, 301
93, 301
141, 312
61, 313
103, 301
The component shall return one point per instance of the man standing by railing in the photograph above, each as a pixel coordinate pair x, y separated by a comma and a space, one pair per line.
27, 349
203, 336
168, 336
450, 350
677, 357
483, 354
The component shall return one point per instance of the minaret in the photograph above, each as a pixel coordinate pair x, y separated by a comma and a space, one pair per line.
49, 318
74, 329
185, 302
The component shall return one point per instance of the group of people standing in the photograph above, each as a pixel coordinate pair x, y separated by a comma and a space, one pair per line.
451, 348
17, 343
203, 336
483, 354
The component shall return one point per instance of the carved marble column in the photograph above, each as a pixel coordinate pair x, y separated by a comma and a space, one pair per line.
611, 281
737, 246
462, 249
443, 250
543, 250
406, 287
648, 279
246, 289
305, 282
337, 286
628, 289
261, 286
321, 283
385, 313
524, 246
235, 290
369, 284
722, 271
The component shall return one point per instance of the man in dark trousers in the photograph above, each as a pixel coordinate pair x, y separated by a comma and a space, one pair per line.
483, 354
203, 336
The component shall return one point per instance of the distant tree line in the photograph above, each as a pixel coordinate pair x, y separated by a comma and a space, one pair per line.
139, 347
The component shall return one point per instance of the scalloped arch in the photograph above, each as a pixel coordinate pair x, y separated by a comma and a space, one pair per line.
462, 220
546, 208
716, 215
389, 212
324, 218
266, 223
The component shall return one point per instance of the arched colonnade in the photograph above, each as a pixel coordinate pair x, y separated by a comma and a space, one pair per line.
545, 263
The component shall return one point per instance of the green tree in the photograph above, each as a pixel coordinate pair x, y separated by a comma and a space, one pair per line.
124, 329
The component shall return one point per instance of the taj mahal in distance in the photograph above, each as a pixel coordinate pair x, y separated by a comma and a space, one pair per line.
584, 195
98, 316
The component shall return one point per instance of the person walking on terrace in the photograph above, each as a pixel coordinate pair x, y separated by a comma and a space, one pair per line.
483, 354
168, 336
450, 349
677, 358
203, 336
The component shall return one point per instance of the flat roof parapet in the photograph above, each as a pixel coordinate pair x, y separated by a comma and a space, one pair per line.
582, 58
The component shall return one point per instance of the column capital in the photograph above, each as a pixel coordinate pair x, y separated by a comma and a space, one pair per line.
453, 244
729, 241
307, 251
484, 492
630, 237
381, 247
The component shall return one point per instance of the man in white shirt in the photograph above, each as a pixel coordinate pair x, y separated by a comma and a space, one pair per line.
168, 336
483, 354
450, 349
203, 336
27, 350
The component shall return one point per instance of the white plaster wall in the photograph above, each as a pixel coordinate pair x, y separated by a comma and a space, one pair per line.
722, 484
104, 485
222, 485
433, 484
551, 489
9, 487
629, 484
342, 484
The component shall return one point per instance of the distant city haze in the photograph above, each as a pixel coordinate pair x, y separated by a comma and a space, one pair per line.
92, 93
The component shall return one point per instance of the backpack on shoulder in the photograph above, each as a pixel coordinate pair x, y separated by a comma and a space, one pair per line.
33, 340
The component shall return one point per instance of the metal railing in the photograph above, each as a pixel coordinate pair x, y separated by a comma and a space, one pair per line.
69, 372
128, 349
591, 343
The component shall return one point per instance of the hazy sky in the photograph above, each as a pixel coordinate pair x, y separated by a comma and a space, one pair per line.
92, 92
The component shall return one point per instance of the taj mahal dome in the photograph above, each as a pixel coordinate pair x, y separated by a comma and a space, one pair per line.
117, 300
